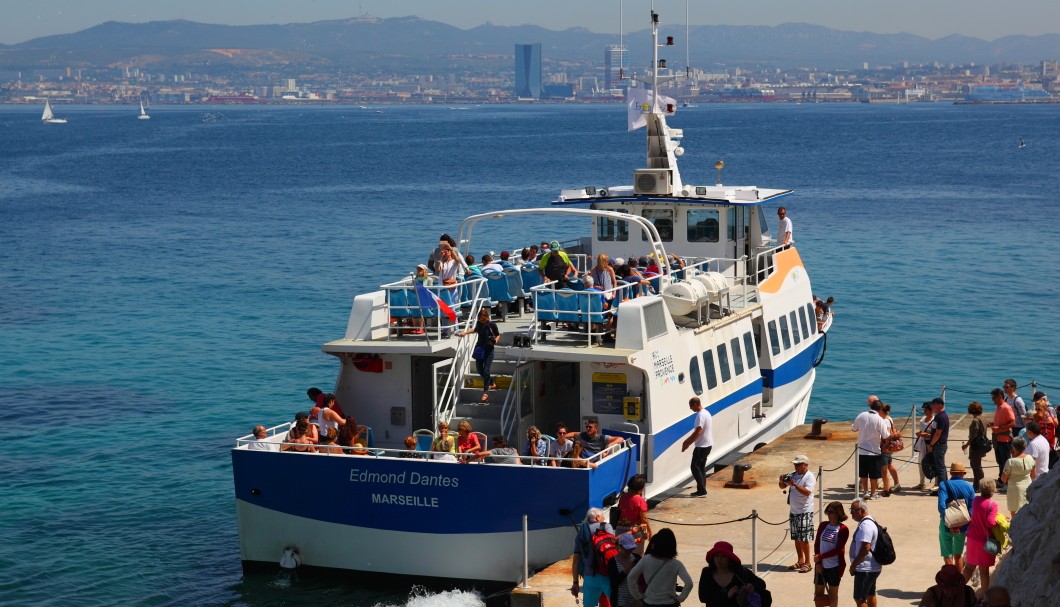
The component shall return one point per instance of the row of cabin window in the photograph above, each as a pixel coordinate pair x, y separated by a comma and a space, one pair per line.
702, 225
790, 325
743, 359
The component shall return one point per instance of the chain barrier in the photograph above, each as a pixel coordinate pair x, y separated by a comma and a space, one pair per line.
735, 520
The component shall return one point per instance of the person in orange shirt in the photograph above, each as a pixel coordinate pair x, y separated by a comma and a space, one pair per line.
1001, 427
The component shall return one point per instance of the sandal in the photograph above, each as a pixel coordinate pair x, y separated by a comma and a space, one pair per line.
796, 566
805, 568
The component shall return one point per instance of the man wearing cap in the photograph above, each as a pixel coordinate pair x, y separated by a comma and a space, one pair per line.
871, 429
703, 438
951, 541
800, 484
555, 265
620, 566
937, 444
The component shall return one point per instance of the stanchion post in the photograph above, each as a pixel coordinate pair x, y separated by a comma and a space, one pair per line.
857, 473
820, 494
526, 554
754, 542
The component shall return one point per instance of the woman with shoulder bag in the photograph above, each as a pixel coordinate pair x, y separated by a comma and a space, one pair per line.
488, 336
890, 443
661, 571
829, 550
984, 517
978, 445
725, 582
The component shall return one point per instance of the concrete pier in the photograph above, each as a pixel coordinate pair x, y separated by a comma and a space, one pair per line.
911, 518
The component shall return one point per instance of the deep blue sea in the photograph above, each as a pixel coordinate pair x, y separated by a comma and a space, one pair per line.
166, 284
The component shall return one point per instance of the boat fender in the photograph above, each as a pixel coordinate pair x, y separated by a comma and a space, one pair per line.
369, 363
291, 558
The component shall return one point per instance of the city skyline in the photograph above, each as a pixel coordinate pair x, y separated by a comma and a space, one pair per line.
983, 19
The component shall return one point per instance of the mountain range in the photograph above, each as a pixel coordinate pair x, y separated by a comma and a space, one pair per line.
412, 44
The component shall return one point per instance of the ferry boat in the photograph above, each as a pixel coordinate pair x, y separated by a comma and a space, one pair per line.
733, 324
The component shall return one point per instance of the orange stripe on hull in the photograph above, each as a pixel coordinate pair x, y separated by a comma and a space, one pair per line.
784, 262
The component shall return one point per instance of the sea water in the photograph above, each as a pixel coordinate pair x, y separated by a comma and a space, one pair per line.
167, 284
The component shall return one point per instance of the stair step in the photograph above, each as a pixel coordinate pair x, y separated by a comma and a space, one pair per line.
474, 381
479, 411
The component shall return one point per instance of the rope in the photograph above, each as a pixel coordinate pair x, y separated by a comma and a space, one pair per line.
844, 462
773, 524
782, 540
1030, 383
735, 520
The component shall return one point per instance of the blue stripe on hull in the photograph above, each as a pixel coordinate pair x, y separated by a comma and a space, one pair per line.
424, 496
794, 369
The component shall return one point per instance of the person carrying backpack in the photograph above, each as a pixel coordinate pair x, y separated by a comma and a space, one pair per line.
863, 564
588, 543
555, 265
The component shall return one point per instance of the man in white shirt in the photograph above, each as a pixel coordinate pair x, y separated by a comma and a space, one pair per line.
1037, 447
703, 438
489, 264
1016, 402
871, 429
260, 443
863, 566
800, 484
784, 228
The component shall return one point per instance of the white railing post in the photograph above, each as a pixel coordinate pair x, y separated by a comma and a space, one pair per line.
754, 542
526, 554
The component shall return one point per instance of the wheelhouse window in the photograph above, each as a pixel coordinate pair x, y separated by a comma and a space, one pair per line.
774, 339
795, 329
737, 356
784, 332
708, 366
723, 363
693, 373
612, 230
749, 350
703, 225
664, 223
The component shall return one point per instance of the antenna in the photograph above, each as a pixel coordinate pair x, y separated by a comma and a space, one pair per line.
688, 42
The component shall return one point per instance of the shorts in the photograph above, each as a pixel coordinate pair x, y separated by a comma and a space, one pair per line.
885, 460
869, 466
864, 585
592, 587
801, 526
830, 576
950, 544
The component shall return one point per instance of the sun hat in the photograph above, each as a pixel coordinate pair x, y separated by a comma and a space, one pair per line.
619, 261
957, 468
949, 575
800, 459
723, 549
627, 541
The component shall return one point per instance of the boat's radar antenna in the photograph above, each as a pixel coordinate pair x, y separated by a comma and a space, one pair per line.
718, 166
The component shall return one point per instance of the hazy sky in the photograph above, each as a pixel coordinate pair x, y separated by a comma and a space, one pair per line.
22, 20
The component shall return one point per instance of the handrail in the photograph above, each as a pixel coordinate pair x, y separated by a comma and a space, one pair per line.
446, 405
476, 283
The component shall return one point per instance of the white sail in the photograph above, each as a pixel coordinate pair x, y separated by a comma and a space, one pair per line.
143, 113
48, 115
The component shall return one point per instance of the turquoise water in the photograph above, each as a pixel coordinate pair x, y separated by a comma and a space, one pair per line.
165, 285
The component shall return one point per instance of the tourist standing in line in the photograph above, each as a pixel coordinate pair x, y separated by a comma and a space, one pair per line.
633, 511
887, 469
951, 541
863, 566
921, 444
661, 572
871, 429
594, 583
1045, 415
984, 517
975, 429
937, 444
1018, 473
800, 484
618, 570
1019, 408
829, 553
1037, 447
725, 581
784, 237
703, 438
1001, 428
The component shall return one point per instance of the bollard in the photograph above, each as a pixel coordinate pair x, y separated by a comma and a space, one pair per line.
738, 481
815, 432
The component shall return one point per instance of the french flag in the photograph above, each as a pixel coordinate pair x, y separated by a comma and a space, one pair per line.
430, 301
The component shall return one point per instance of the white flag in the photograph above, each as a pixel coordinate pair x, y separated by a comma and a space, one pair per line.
639, 103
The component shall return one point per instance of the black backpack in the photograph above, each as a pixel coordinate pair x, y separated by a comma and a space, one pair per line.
884, 550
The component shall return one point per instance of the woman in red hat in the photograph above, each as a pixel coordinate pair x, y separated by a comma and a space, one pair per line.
725, 582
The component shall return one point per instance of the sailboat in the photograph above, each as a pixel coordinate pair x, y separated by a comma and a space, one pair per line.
48, 117
143, 113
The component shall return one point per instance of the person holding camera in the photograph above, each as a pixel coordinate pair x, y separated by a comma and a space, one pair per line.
800, 485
